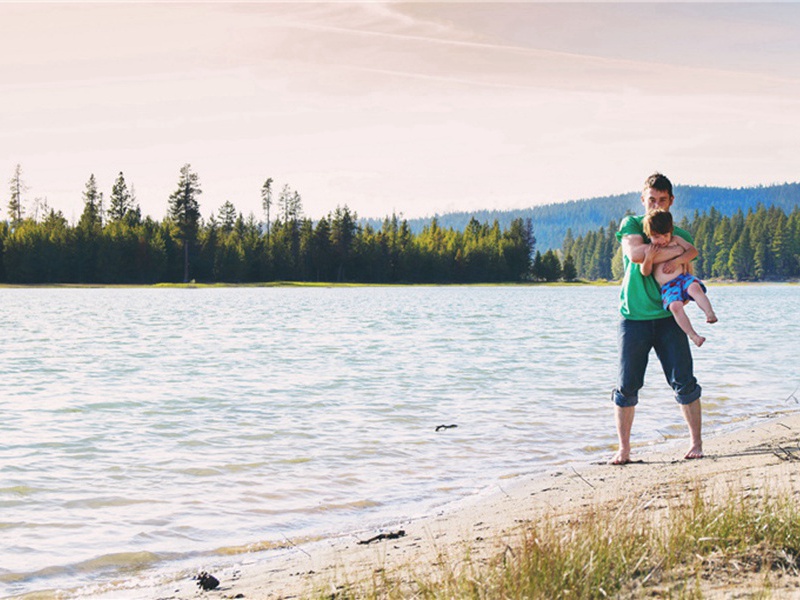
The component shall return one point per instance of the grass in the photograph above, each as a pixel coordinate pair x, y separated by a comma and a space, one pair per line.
601, 554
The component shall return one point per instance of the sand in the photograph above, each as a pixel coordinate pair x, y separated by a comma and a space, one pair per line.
762, 456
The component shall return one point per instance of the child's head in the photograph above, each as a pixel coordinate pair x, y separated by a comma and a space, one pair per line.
658, 227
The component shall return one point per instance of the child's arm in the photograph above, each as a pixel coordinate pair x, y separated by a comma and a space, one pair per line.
688, 254
634, 247
650, 252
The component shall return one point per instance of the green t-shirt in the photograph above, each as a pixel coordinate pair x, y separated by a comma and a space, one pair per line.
640, 296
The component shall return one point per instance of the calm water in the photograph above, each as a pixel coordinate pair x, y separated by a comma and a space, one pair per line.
146, 426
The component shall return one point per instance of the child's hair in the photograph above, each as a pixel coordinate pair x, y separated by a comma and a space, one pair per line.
657, 221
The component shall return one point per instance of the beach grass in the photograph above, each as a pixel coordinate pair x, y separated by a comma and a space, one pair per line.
681, 550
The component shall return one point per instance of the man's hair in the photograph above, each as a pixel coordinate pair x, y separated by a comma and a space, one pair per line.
657, 221
659, 182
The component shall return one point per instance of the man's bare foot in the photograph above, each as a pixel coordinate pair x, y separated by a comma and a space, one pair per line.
698, 340
694, 452
712, 318
621, 458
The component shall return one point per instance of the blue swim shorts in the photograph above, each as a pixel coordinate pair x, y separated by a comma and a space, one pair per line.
676, 290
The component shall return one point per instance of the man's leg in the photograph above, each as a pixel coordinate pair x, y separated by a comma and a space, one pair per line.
624, 418
672, 348
635, 342
694, 419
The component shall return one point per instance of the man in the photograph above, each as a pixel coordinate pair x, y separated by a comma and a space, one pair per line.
646, 324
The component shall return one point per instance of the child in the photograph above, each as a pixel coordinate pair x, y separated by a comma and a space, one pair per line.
676, 288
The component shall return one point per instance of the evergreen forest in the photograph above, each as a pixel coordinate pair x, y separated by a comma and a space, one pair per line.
760, 245
112, 243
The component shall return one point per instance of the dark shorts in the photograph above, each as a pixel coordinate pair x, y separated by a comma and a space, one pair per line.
636, 339
677, 290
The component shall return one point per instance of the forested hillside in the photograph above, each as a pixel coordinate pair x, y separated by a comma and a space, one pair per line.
551, 221
761, 244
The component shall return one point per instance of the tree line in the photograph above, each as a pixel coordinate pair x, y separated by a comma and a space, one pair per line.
112, 243
762, 244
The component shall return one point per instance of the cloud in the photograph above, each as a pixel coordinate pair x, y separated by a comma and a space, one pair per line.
400, 106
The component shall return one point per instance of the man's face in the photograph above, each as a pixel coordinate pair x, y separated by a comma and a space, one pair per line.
654, 199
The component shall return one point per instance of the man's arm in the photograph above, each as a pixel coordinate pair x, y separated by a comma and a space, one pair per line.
634, 248
687, 247
688, 254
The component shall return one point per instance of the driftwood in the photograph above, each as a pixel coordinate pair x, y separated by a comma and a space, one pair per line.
440, 427
786, 453
793, 397
384, 536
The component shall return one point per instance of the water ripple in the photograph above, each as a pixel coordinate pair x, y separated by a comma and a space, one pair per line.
143, 424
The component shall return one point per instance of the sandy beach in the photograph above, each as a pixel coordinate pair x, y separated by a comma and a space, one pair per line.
761, 457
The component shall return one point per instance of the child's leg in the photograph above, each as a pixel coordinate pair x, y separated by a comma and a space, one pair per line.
682, 319
699, 296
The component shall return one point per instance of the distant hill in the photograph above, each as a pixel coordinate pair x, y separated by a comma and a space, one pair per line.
551, 221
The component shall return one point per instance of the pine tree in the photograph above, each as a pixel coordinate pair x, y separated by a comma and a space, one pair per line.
321, 255
551, 266
537, 269
517, 248
289, 205
227, 216
781, 246
703, 241
598, 256
741, 261
89, 235
343, 231
266, 202
91, 218
121, 200
296, 207
568, 272
762, 260
184, 210
15, 210
722, 242
569, 241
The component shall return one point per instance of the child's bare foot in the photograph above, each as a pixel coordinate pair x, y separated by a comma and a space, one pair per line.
711, 318
694, 452
698, 340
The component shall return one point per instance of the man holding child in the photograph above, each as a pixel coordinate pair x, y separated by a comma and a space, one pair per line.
646, 324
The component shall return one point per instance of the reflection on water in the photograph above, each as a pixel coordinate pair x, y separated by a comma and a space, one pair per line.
149, 424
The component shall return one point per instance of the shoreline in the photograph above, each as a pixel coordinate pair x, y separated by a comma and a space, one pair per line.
334, 284
749, 459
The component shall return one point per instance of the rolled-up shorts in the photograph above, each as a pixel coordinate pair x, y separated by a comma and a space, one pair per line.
677, 289
636, 339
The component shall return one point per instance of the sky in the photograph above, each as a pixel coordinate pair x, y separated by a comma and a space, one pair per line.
414, 108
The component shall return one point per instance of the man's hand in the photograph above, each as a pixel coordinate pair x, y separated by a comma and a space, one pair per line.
672, 265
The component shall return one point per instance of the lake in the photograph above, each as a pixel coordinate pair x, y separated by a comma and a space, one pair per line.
150, 427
